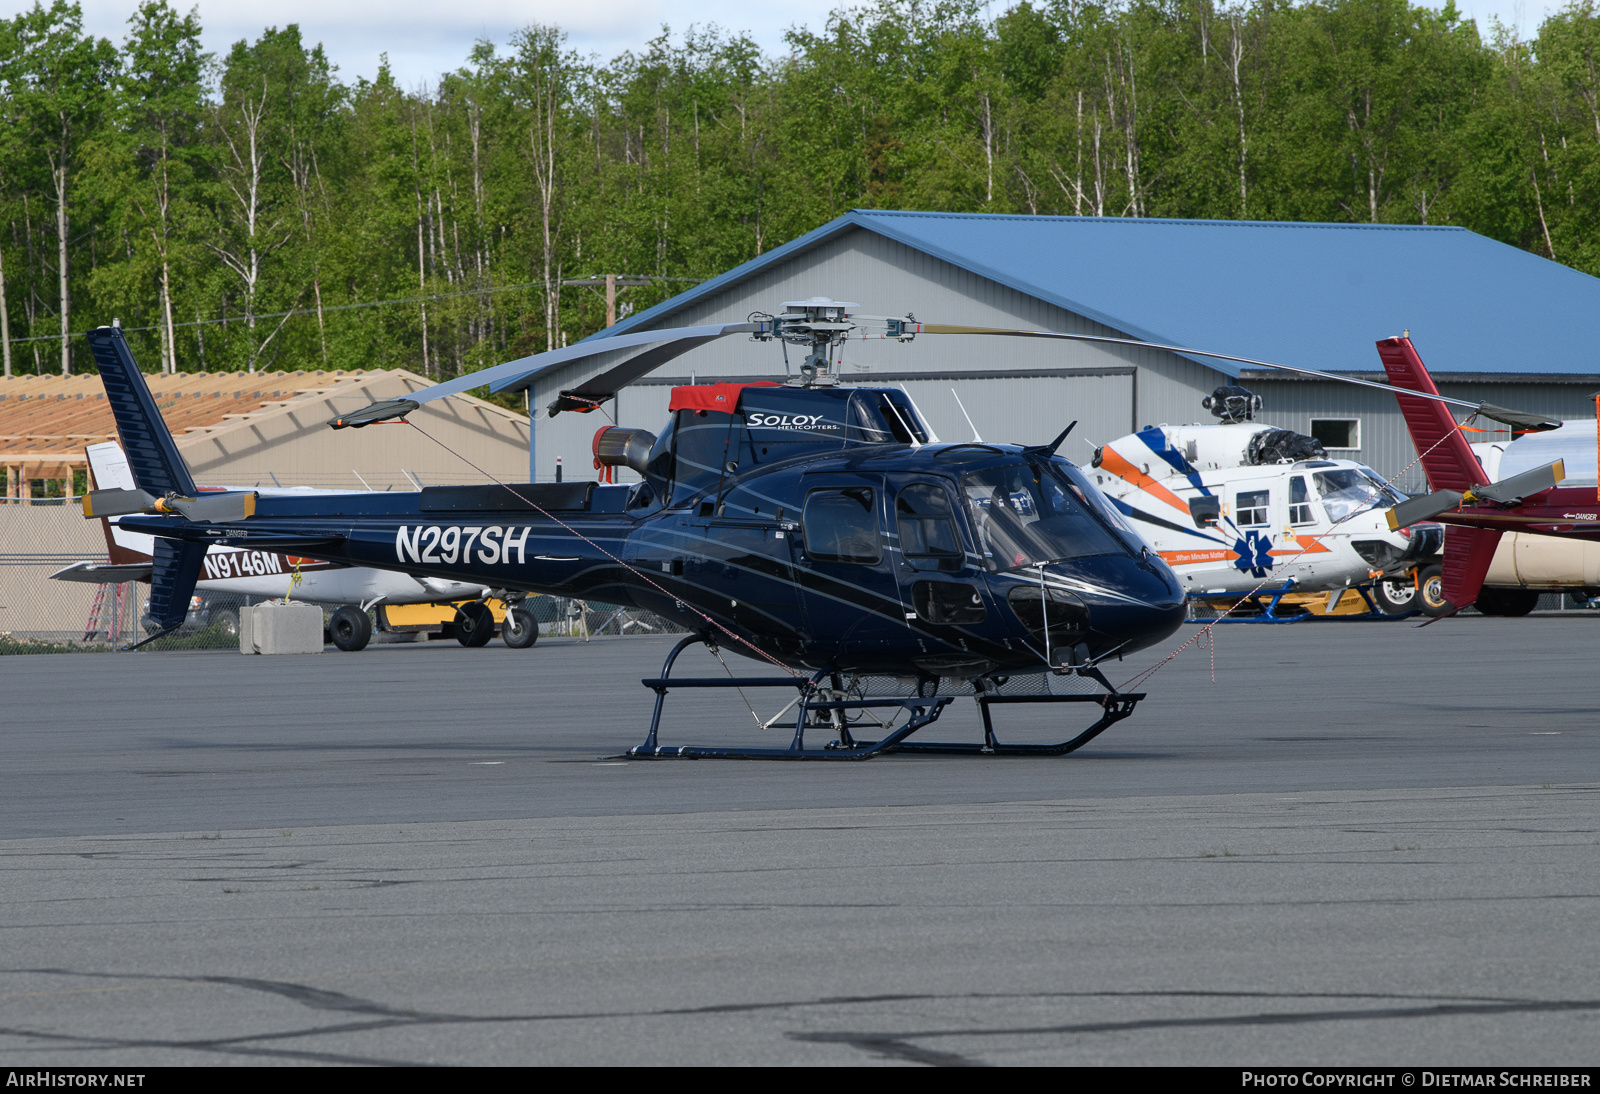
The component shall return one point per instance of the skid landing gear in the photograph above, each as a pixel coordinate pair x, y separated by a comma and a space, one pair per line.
823, 702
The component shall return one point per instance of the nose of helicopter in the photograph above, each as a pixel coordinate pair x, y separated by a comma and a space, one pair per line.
1111, 603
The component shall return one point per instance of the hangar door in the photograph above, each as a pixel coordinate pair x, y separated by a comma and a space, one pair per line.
1028, 409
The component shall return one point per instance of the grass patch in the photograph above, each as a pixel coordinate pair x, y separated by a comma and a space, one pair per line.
10, 645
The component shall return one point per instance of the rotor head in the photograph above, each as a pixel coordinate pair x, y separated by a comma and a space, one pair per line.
1231, 404
822, 323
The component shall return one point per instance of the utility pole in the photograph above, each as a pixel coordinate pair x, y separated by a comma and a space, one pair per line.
611, 282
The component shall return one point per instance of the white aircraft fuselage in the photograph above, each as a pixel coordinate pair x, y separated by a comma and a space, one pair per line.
1319, 522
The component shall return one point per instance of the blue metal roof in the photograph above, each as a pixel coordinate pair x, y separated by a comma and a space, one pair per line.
1314, 295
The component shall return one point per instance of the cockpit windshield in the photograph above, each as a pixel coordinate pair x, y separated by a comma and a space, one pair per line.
1026, 513
1351, 490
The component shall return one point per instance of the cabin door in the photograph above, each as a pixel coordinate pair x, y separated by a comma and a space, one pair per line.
941, 584
847, 572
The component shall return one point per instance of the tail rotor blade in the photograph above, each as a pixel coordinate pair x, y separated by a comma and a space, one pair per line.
1412, 510
1520, 486
216, 508
116, 503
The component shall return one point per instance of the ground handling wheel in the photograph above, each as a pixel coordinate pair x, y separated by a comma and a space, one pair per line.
1396, 597
521, 629
474, 624
350, 629
1430, 590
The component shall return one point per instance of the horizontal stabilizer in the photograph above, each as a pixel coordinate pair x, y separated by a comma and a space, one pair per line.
1427, 507
116, 503
1520, 486
101, 574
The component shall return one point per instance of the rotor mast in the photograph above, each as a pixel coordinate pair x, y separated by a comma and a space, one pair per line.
822, 324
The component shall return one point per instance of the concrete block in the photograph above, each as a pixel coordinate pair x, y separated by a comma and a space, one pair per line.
276, 627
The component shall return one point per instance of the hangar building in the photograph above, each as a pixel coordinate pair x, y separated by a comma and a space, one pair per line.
1492, 322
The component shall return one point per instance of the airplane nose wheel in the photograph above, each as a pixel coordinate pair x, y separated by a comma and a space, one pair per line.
350, 628
474, 624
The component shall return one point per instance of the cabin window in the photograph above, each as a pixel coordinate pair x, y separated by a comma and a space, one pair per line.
1251, 507
1337, 432
1348, 491
842, 525
1300, 501
1024, 515
928, 539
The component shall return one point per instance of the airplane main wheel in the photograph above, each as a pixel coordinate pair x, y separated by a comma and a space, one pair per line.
350, 629
1430, 589
1509, 602
1395, 597
520, 630
474, 624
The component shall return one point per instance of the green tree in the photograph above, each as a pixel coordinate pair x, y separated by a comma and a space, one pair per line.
55, 79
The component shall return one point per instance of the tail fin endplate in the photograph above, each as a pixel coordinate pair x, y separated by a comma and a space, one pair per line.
1448, 462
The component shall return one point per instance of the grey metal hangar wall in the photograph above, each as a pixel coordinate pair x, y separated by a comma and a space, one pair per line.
1014, 390
1492, 322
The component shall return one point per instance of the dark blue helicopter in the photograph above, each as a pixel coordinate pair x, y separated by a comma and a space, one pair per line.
810, 525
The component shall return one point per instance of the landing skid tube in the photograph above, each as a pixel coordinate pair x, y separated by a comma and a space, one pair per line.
923, 710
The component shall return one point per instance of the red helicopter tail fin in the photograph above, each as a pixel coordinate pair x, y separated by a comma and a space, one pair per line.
1449, 463
1467, 554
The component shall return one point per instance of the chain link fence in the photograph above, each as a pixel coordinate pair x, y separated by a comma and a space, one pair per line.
41, 614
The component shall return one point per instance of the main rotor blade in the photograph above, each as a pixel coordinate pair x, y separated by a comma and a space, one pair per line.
1520, 486
530, 367
1413, 510
116, 503
1517, 419
1488, 410
597, 389
377, 412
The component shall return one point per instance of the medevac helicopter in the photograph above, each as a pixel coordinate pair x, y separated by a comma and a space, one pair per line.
817, 527
1231, 503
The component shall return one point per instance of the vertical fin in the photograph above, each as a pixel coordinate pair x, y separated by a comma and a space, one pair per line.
175, 570
1467, 554
152, 453
1450, 465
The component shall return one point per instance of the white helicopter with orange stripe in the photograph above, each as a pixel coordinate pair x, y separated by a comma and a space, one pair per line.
1239, 507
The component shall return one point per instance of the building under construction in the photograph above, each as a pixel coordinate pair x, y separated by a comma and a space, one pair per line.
235, 430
